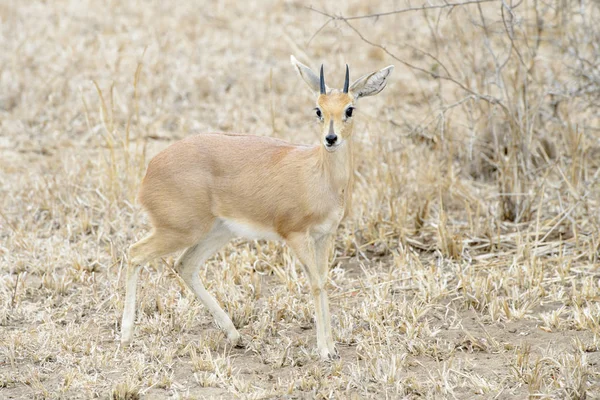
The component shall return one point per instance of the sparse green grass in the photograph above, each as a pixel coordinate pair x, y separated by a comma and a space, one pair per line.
468, 268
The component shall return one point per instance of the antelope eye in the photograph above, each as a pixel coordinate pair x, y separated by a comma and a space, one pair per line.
319, 114
349, 111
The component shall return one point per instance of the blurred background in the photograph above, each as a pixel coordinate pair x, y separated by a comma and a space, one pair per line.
476, 196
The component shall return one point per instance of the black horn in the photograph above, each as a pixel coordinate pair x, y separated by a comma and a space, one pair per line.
322, 81
347, 80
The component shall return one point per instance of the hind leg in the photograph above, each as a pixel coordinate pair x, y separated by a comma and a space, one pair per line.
188, 266
157, 244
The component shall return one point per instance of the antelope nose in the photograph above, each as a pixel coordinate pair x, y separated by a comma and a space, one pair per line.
331, 139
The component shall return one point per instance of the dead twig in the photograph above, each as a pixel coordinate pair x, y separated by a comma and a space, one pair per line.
405, 10
485, 97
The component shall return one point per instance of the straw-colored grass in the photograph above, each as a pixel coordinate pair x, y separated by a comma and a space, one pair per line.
468, 268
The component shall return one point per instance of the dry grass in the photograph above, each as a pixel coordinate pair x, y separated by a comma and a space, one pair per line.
469, 268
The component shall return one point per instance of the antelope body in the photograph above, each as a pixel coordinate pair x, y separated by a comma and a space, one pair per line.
207, 189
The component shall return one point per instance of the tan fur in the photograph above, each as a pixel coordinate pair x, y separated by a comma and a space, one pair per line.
334, 104
265, 182
204, 190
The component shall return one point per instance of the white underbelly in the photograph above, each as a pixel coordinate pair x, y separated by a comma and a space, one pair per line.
249, 231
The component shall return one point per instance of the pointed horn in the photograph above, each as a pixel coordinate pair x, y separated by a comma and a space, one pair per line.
347, 80
322, 81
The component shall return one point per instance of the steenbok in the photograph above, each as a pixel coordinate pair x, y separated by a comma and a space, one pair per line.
205, 190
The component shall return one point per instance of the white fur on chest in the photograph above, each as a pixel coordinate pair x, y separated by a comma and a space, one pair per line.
249, 231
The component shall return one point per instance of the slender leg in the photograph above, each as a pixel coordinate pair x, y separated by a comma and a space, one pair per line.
323, 248
138, 258
133, 271
188, 266
155, 245
313, 254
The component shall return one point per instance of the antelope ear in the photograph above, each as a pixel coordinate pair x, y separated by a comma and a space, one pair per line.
371, 84
311, 79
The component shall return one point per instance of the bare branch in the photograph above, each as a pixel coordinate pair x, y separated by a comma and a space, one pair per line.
318, 31
485, 97
405, 10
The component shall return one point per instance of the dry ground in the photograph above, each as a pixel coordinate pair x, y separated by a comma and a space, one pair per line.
469, 268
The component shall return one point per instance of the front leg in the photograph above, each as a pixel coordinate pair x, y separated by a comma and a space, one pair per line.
323, 251
314, 256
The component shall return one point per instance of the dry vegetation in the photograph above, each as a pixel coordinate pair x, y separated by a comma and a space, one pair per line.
469, 268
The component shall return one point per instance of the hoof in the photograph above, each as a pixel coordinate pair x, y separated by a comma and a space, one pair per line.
328, 355
235, 339
126, 337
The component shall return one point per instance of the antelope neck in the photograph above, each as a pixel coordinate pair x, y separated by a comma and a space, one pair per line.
338, 165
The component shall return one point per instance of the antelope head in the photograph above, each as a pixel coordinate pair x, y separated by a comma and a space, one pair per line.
336, 108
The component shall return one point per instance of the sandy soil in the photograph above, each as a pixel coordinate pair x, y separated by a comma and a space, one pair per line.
468, 269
